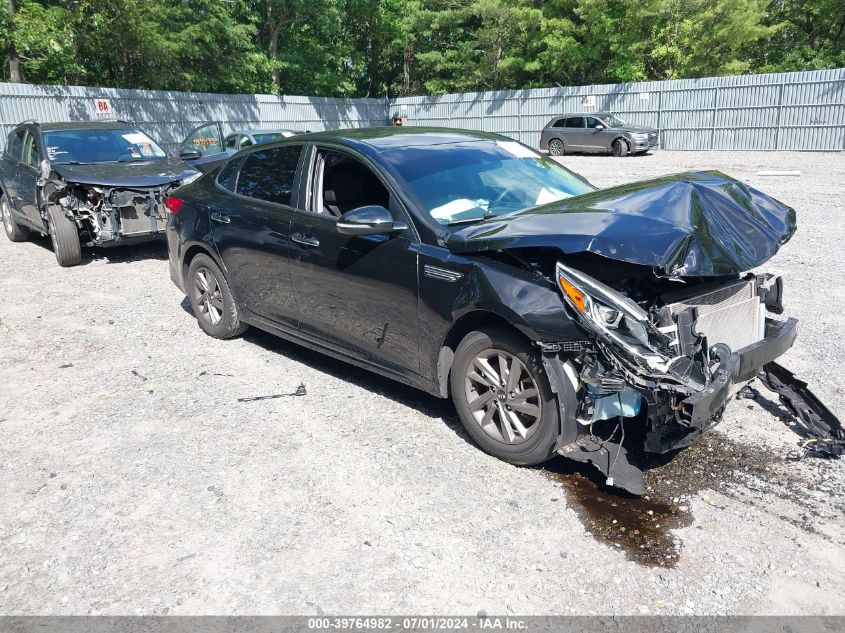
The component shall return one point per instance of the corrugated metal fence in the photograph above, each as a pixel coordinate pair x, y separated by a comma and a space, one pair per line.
788, 111
170, 116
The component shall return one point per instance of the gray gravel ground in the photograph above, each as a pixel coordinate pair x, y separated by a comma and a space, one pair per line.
133, 481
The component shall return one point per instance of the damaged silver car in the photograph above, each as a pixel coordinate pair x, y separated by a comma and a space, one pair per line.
86, 184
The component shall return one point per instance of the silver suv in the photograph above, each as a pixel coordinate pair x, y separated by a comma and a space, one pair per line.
596, 132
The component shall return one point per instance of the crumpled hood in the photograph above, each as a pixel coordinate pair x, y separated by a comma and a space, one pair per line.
129, 174
693, 224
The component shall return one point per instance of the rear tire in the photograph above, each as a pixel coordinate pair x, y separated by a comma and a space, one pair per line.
556, 147
503, 419
14, 231
620, 148
212, 300
65, 237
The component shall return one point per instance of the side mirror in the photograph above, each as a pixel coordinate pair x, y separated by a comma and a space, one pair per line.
190, 154
369, 220
599, 127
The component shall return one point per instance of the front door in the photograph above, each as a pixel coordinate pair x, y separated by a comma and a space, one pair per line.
596, 139
207, 139
251, 228
356, 294
27, 180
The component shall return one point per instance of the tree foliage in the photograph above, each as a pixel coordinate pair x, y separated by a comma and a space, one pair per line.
391, 47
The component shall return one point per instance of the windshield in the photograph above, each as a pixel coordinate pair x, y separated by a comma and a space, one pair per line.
100, 146
266, 137
611, 120
466, 182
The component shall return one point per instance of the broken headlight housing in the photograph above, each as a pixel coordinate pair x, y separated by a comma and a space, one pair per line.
615, 319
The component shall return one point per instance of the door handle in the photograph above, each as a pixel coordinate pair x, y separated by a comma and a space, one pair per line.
216, 216
306, 240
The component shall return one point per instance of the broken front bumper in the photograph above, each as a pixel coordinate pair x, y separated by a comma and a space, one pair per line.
742, 366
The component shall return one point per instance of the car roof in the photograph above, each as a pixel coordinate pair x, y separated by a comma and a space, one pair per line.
396, 136
251, 132
569, 114
79, 125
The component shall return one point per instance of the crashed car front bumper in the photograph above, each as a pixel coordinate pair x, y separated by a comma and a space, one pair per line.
741, 367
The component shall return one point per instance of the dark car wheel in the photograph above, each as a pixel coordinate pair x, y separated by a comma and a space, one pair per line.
65, 237
556, 147
14, 232
620, 148
503, 397
211, 299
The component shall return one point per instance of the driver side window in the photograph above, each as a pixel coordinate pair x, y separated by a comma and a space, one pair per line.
30, 150
343, 183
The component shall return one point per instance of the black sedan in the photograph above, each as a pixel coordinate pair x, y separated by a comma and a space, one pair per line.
597, 324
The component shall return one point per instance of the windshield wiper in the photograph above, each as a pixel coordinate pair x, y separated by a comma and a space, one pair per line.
132, 159
487, 215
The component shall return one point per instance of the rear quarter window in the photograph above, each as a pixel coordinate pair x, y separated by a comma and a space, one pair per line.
228, 176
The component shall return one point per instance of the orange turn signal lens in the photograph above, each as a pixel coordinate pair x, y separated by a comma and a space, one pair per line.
575, 295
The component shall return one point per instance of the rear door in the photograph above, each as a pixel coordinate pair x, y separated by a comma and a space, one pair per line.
573, 133
11, 169
207, 139
251, 229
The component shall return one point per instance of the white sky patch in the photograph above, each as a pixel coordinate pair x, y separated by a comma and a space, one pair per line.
448, 210
516, 149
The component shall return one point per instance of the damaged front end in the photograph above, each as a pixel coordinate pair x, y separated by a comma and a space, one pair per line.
672, 361
110, 213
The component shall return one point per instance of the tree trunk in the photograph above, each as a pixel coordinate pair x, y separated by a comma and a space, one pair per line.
14, 60
406, 69
272, 50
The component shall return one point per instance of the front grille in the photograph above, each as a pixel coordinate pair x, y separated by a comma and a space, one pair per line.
731, 314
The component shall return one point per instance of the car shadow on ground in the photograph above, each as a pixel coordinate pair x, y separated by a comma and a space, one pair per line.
426, 404
123, 254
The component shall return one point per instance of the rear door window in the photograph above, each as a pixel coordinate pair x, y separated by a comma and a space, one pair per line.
228, 176
575, 121
15, 148
269, 174
559, 123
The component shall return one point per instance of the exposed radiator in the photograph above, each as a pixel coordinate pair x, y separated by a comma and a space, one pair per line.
731, 314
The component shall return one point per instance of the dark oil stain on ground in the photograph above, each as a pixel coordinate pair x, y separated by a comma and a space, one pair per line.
641, 527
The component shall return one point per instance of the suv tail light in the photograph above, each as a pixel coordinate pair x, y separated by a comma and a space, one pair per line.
173, 204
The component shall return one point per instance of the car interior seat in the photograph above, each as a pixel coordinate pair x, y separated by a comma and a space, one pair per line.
348, 185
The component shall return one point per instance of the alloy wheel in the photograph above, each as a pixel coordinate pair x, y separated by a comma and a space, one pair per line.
555, 148
207, 296
503, 396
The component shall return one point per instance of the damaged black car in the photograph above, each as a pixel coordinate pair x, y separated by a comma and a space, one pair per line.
601, 325
86, 184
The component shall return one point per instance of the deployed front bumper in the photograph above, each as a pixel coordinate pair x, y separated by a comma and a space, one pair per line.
739, 368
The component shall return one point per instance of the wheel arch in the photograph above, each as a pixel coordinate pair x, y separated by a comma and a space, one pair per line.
196, 249
477, 319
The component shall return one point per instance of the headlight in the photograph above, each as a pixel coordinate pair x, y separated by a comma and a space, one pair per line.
639, 137
614, 318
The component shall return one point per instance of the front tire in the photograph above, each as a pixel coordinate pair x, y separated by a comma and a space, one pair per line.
14, 232
620, 148
65, 237
556, 147
212, 300
503, 397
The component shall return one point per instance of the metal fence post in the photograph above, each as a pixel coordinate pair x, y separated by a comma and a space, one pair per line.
713, 119
777, 125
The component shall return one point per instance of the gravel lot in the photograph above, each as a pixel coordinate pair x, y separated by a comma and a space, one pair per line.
133, 481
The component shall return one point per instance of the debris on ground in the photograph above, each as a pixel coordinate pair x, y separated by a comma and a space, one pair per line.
300, 391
